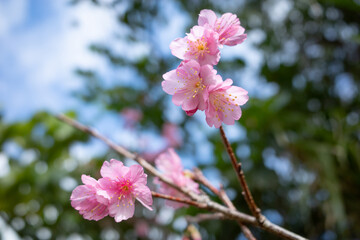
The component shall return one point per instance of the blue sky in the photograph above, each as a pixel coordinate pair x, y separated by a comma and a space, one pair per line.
42, 42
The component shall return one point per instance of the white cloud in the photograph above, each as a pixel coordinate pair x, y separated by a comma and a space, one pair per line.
10, 21
37, 62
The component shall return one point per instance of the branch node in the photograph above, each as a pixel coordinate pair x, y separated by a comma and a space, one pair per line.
261, 219
239, 167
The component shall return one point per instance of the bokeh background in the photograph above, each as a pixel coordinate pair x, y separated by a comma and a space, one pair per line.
102, 61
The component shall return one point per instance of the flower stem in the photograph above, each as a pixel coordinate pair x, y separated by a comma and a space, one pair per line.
177, 199
240, 174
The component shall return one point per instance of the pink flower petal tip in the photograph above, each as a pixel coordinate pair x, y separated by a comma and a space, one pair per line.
228, 27
170, 164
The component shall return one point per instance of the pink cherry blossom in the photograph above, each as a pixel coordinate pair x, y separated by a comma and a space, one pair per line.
227, 26
188, 85
122, 185
224, 103
201, 44
170, 164
171, 133
131, 116
142, 228
87, 201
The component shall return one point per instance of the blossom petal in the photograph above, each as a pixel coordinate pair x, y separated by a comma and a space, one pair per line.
227, 83
191, 102
229, 116
137, 175
84, 199
227, 26
178, 47
224, 104
87, 180
207, 16
239, 94
208, 73
113, 169
238, 38
122, 210
191, 68
179, 97
171, 83
196, 32
143, 195
170, 164
190, 184
187, 99
98, 211
212, 121
80, 196
191, 112
169, 161
107, 188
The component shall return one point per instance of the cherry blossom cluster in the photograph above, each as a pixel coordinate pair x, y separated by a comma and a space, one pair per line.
114, 194
169, 163
195, 84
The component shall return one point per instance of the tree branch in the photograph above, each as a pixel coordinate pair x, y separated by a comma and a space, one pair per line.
205, 217
240, 174
199, 176
177, 199
206, 203
225, 198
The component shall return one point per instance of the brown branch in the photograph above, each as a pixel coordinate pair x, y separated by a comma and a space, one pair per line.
240, 174
217, 216
262, 221
225, 198
177, 199
205, 202
199, 176
205, 217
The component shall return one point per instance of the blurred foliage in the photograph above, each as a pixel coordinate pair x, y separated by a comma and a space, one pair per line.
301, 149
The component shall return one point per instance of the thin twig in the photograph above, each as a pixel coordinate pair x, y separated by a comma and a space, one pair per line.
177, 199
205, 217
217, 216
199, 176
208, 204
240, 174
225, 198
